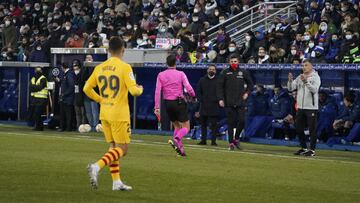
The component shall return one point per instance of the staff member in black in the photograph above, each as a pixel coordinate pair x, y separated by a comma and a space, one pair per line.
307, 85
39, 96
67, 96
209, 105
232, 94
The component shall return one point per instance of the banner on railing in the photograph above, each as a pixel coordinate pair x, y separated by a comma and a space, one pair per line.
342, 67
166, 43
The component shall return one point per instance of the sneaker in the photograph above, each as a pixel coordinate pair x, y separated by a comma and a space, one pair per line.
231, 147
93, 173
300, 152
237, 144
202, 143
121, 187
309, 153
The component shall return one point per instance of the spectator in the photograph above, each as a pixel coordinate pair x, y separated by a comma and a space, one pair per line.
223, 54
233, 50
259, 39
247, 49
349, 47
334, 49
38, 53
258, 102
222, 37
181, 56
9, 33
196, 26
209, 107
262, 58
75, 42
277, 55
343, 123
294, 53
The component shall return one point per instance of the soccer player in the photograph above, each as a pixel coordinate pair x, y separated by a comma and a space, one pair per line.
115, 80
172, 82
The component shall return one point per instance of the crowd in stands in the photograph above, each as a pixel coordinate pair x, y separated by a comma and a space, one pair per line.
323, 31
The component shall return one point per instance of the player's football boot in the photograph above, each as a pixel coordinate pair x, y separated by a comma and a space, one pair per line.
231, 147
93, 175
121, 187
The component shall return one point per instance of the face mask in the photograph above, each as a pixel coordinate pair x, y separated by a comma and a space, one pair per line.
216, 13
139, 41
27, 8
196, 10
7, 23
145, 38
221, 21
135, 28
323, 28
334, 39
327, 7
211, 74
234, 66
37, 8
101, 17
222, 51
36, 32
128, 27
307, 27
293, 52
232, 49
195, 19
162, 30
45, 7
126, 39
247, 38
38, 48
56, 17
343, 9
184, 25
49, 19
91, 45
4, 55
306, 37
41, 20
67, 27
311, 45
76, 72
348, 37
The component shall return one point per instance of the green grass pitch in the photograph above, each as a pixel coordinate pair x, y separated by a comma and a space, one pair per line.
51, 167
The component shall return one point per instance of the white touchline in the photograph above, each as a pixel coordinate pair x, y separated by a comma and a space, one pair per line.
189, 146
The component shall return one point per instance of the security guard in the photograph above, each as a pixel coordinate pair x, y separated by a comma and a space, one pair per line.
39, 95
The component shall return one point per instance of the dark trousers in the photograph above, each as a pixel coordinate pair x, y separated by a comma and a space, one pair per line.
80, 115
306, 118
38, 111
210, 121
66, 112
236, 119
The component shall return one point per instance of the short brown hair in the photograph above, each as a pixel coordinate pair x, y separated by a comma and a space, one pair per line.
116, 44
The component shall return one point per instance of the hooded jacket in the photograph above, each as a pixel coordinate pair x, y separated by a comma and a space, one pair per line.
308, 92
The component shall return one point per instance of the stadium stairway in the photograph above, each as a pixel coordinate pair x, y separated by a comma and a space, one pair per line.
354, 148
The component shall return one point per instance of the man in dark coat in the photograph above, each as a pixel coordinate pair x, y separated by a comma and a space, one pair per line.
67, 96
209, 107
232, 95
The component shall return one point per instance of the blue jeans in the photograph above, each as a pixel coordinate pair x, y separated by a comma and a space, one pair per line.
92, 112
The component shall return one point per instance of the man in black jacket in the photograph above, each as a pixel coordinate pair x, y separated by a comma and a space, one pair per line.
67, 96
232, 94
209, 106
39, 95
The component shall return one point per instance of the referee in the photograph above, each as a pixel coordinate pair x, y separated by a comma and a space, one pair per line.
232, 95
171, 83
307, 85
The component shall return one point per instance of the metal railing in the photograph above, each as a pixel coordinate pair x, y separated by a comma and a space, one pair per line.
260, 15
